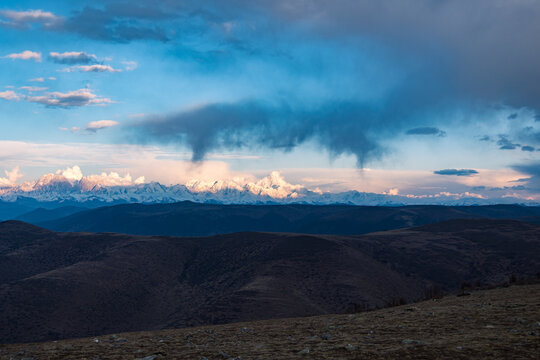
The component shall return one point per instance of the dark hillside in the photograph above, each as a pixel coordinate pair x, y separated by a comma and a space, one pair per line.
63, 285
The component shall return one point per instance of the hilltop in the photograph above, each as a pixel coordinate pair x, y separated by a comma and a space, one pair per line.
495, 324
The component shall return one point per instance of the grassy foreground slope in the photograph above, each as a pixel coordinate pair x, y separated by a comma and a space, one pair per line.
502, 323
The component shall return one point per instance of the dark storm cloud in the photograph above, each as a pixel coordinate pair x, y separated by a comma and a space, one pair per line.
252, 124
474, 58
515, 188
529, 134
491, 46
454, 53
426, 131
456, 172
533, 171
118, 22
72, 58
527, 148
512, 116
505, 144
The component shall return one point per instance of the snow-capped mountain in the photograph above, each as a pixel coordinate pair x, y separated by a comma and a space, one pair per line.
70, 186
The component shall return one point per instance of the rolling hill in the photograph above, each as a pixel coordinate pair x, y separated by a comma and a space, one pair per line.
64, 285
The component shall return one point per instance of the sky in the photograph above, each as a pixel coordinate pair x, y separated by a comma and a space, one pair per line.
395, 96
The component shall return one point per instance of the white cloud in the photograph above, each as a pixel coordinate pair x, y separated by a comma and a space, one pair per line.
167, 167
81, 97
101, 124
130, 65
9, 95
40, 79
393, 191
25, 55
29, 16
11, 177
110, 179
72, 57
91, 68
33, 88
51, 78
71, 173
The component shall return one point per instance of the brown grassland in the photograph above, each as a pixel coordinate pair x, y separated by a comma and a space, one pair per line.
502, 323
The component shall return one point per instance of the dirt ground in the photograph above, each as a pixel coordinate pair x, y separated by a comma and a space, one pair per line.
502, 323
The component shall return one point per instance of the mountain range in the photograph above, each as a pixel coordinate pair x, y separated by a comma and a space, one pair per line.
55, 190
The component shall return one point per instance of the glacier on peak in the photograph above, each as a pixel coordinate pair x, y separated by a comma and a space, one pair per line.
69, 185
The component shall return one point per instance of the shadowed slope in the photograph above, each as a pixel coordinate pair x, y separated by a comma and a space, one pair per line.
58, 285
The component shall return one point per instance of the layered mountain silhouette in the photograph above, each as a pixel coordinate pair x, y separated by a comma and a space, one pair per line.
63, 285
196, 219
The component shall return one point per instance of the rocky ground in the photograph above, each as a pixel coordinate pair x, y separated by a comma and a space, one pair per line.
502, 323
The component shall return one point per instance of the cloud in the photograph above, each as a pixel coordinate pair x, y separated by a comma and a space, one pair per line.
39, 79
81, 97
527, 148
168, 166
486, 61
92, 68
512, 116
25, 55
71, 173
117, 22
94, 126
72, 58
426, 131
505, 144
532, 169
485, 138
469, 41
33, 88
9, 95
456, 172
24, 18
11, 177
130, 65
253, 124
529, 134
111, 179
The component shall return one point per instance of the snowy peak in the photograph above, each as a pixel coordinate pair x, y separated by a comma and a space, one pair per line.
70, 185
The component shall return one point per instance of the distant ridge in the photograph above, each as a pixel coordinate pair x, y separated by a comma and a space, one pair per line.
195, 219
41, 214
